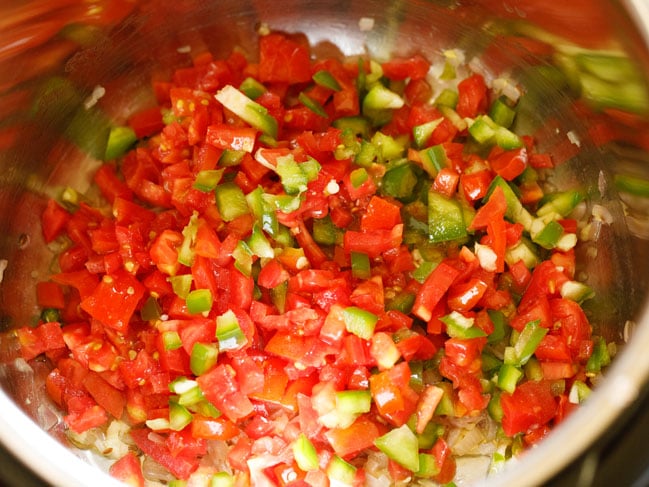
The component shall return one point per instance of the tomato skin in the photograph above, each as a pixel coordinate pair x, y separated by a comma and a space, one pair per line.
474, 185
395, 400
446, 181
575, 329
223, 136
272, 274
84, 414
241, 289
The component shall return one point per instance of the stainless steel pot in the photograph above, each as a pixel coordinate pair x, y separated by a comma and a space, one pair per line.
70, 68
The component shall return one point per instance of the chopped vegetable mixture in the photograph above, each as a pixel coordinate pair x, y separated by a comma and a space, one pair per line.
310, 272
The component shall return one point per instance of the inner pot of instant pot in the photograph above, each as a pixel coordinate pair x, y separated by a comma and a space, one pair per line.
69, 72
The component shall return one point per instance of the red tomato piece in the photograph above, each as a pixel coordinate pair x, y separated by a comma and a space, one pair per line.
180, 466
223, 136
509, 164
49, 295
146, 122
35, 341
349, 441
109, 398
475, 185
444, 460
221, 388
433, 289
530, 406
110, 185
493, 209
54, 220
472, 96
219, 428
463, 297
114, 300
446, 181
415, 68
373, 242
380, 214
418, 91
128, 470
283, 60
272, 274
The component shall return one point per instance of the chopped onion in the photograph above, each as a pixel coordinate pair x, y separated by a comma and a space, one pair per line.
366, 24
153, 471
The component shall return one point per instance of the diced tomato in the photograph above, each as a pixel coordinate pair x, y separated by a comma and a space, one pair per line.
475, 184
355, 438
530, 406
495, 208
220, 387
283, 60
223, 136
509, 164
106, 395
445, 461
35, 341
418, 91
380, 214
446, 181
54, 220
464, 296
373, 242
128, 470
557, 370
114, 300
272, 275
84, 414
219, 428
415, 68
49, 295
575, 328
433, 289
180, 466
472, 96
392, 394
146, 122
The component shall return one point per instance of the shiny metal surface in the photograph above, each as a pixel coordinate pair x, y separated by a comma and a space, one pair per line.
55, 55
